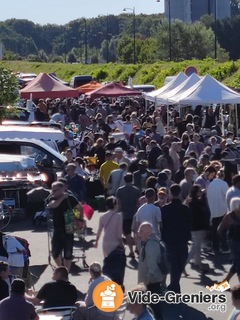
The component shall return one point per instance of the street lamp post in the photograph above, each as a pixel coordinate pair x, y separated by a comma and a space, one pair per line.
85, 41
107, 34
107, 37
169, 28
215, 29
134, 32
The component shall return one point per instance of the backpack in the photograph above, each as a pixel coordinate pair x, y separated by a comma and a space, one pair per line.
163, 263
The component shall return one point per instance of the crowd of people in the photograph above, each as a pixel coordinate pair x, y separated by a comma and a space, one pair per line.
165, 177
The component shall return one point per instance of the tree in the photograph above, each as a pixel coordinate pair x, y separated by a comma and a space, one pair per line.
188, 41
8, 90
125, 50
235, 8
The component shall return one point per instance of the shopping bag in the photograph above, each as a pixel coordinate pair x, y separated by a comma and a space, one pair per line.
69, 219
88, 211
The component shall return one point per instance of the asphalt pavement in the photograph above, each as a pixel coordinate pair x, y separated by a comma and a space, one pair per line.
41, 264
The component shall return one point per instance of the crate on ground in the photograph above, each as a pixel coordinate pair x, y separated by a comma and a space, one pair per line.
11, 202
93, 203
101, 203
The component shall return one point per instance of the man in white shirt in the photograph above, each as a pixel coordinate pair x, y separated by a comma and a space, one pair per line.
148, 212
216, 196
116, 178
119, 157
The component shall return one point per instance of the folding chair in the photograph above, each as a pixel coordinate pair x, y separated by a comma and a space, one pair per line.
120, 312
66, 312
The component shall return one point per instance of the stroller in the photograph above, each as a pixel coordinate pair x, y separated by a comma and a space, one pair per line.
36, 199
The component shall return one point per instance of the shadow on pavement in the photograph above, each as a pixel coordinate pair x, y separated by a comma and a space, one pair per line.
19, 225
179, 311
77, 268
83, 244
35, 272
132, 264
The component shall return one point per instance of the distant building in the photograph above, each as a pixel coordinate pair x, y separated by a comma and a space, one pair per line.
193, 10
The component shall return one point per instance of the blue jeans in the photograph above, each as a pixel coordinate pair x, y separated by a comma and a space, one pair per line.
178, 254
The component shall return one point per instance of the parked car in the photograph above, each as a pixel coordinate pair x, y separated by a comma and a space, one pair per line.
16, 163
142, 87
48, 160
25, 78
78, 81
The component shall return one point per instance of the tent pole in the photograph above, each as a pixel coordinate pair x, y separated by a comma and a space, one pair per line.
222, 119
236, 117
167, 117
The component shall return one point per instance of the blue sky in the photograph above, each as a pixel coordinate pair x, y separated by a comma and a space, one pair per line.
63, 11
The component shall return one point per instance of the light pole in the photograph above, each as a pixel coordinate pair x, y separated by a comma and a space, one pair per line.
107, 34
85, 41
134, 32
169, 28
215, 29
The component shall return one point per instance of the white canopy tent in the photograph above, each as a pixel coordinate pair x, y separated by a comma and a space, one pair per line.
208, 91
205, 92
185, 85
151, 96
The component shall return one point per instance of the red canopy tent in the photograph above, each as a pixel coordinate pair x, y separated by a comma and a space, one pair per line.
93, 85
44, 86
112, 89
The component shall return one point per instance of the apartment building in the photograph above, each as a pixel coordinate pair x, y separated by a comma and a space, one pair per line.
193, 10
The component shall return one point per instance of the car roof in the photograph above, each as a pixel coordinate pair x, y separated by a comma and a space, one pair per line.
18, 131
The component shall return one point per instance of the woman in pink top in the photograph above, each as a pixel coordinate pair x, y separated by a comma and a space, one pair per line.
111, 223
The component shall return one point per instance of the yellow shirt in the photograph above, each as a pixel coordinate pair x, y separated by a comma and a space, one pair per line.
105, 170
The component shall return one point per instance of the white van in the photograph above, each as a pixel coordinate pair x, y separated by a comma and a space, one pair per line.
36, 149
29, 132
142, 87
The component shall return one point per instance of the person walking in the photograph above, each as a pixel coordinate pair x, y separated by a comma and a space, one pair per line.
216, 196
75, 182
59, 203
116, 178
148, 212
128, 199
149, 271
199, 214
106, 168
176, 234
111, 223
231, 222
